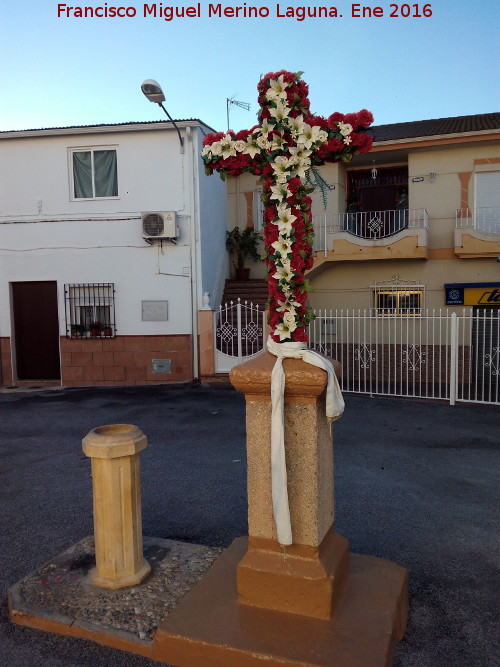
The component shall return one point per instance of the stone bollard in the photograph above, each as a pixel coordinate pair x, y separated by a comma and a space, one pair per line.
114, 450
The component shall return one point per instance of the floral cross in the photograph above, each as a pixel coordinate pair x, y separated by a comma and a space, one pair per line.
283, 150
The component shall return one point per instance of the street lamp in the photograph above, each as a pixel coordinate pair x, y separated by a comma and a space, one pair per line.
152, 90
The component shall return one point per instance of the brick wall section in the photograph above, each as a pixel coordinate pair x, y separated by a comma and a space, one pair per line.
5, 361
124, 360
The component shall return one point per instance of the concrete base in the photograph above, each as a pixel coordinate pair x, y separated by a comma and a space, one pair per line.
210, 628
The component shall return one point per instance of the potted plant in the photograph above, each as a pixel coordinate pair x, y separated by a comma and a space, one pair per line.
243, 244
107, 331
95, 329
77, 330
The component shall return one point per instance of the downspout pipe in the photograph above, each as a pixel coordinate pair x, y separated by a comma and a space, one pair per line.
193, 247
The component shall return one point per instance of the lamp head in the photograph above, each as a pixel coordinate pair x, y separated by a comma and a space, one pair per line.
152, 90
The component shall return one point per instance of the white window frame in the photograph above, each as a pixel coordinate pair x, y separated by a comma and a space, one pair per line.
91, 149
257, 209
487, 201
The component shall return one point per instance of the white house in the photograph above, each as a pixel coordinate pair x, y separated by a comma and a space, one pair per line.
109, 237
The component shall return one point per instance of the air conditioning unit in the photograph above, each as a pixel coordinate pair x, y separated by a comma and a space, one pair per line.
159, 225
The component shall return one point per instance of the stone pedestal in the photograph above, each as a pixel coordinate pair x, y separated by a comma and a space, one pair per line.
306, 577
309, 604
114, 450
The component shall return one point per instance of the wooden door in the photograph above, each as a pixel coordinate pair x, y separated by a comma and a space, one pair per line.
36, 330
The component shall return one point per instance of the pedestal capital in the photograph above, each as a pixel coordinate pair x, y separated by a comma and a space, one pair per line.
304, 382
114, 441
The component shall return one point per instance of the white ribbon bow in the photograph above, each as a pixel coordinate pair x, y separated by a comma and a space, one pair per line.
334, 408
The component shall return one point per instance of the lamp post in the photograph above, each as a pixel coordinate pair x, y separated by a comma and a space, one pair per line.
153, 91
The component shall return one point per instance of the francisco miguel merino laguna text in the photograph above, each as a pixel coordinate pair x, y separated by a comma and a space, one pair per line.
157, 10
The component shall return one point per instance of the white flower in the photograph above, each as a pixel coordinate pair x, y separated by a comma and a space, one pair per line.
240, 146
283, 273
285, 222
304, 139
252, 148
289, 320
278, 142
277, 89
322, 136
263, 143
265, 128
280, 168
286, 216
216, 149
279, 192
281, 208
347, 140
227, 146
282, 245
300, 166
284, 330
299, 151
345, 128
281, 111
290, 304
206, 150
296, 125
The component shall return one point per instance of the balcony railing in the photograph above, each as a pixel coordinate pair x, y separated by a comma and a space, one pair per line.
483, 219
371, 225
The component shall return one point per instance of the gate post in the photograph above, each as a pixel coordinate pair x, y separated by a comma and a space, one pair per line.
238, 326
453, 358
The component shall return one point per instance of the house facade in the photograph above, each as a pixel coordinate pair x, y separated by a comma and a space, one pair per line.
408, 222
109, 238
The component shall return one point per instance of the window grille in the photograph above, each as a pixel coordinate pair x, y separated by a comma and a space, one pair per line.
397, 297
90, 310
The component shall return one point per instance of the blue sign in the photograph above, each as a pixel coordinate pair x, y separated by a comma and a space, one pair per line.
454, 296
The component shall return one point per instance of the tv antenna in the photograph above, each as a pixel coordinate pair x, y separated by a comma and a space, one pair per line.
231, 100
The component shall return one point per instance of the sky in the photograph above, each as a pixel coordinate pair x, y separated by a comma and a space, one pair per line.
62, 71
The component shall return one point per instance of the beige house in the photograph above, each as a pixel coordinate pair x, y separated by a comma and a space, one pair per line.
412, 225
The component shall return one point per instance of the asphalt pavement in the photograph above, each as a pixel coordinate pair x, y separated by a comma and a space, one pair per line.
415, 482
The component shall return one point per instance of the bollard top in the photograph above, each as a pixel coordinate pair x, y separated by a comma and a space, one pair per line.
113, 441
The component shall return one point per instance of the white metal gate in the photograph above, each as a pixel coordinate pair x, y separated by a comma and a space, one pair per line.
238, 332
434, 354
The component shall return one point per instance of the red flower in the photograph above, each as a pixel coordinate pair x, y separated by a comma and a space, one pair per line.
362, 141
365, 118
352, 119
318, 120
334, 119
212, 137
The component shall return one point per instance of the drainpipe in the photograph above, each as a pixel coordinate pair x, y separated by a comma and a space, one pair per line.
193, 247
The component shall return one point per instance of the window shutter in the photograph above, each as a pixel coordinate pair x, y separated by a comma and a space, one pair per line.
488, 189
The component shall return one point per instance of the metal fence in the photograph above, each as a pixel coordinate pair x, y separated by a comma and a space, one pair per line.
436, 354
370, 225
238, 332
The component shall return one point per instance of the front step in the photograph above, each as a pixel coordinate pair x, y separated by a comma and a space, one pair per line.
252, 291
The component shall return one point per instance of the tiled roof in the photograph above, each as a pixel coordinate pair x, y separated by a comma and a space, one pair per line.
90, 127
436, 126
390, 132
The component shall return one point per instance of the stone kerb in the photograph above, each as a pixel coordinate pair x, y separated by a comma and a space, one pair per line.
114, 450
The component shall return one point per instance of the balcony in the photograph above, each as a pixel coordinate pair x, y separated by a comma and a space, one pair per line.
371, 235
477, 232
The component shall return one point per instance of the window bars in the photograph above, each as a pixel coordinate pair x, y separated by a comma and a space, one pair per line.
90, 310
397, 297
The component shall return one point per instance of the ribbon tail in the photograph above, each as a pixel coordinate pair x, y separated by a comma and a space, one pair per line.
278, 461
